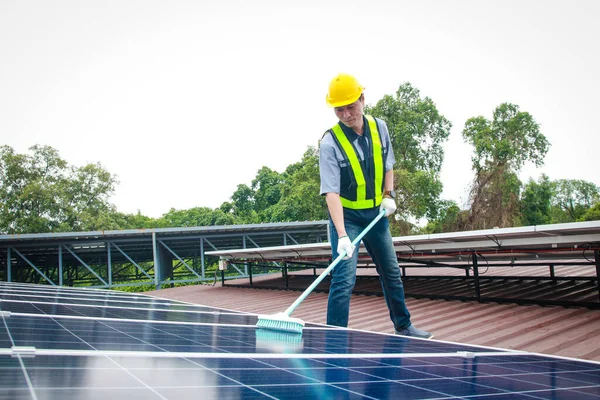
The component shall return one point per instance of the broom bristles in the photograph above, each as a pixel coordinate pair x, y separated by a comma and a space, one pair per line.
278, 341
280, 322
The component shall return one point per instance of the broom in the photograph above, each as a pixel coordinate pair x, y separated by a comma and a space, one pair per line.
282, 321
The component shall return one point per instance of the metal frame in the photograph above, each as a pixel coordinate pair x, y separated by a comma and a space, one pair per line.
155, 257
553, 246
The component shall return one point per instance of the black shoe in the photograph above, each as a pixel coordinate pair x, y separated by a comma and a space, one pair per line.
414, 332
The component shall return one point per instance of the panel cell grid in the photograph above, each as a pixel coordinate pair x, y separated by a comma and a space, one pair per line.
71, 346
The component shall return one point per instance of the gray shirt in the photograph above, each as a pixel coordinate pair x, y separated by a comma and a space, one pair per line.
330, 157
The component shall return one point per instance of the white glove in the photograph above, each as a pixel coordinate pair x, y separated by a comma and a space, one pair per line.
344, 244
389, 205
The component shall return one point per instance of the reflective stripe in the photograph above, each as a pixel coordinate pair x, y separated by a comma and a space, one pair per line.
361, 201
361, 190
377, 159
359, 205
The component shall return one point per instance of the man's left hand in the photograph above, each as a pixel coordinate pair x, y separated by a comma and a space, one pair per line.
389, 205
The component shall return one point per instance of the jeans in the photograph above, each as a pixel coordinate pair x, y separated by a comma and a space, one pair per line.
378, 242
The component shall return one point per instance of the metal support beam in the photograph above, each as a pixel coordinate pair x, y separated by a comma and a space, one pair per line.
85, 265
236, 268
597, 259
156, 262
131, 261
244, 246
34, 267
210, 244
109, 263
246, 237
179, 258
60, 266
293, 240
9, 265
202, 266
476, 277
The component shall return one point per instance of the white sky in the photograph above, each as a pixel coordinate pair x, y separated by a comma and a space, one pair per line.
184, 100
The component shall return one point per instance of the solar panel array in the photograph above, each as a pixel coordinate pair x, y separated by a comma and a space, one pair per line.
68, 343
575, 240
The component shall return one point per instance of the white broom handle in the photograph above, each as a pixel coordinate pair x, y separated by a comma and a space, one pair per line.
331, 266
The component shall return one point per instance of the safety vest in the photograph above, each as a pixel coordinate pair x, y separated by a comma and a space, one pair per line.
357, 190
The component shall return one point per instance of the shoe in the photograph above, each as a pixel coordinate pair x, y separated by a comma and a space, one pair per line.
412, 331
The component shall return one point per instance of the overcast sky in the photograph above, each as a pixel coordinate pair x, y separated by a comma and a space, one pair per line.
184, 100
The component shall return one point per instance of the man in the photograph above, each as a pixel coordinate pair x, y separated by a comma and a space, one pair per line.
357, 178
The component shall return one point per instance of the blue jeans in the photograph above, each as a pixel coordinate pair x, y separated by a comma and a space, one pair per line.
378, 242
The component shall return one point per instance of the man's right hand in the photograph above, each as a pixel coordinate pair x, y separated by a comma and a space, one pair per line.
344, 244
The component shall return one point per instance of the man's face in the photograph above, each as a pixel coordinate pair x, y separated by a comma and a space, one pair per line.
352, 114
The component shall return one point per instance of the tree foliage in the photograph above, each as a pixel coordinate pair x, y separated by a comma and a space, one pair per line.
495, 200
559, 201
417, 132
196, 216
290, 196
572, 199
266, 189
300, 199
40, 192
242, 204
593, 214
535, 202
450, 218
500, 149
510, 140
418, 197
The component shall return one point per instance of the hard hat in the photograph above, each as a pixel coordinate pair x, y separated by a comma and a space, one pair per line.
344, 89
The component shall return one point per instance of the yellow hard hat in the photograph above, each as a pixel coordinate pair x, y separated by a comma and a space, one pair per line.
344, 89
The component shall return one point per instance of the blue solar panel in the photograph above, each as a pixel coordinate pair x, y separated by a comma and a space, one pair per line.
62, 343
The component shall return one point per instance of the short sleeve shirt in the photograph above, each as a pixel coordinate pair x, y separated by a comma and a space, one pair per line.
330, 156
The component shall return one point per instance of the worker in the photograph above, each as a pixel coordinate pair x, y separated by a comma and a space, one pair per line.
357, 179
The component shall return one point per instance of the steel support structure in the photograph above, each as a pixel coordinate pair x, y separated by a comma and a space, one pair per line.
597, 262
135, 258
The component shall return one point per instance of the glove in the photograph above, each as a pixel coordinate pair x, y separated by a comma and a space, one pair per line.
389, 205
344, 244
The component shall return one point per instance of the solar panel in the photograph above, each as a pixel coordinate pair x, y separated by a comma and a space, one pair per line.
67, 343
544, 242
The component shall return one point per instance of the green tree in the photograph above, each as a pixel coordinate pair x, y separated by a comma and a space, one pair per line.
450, 218
273, 197
242, 202
300, 199
84, 199
137, 221
418, 196
197, 216
27, 184
572, 199
501, 148
535, 202
266, 191
593, 214
417, 132
40, 192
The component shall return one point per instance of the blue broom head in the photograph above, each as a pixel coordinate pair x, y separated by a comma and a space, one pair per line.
280, 322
